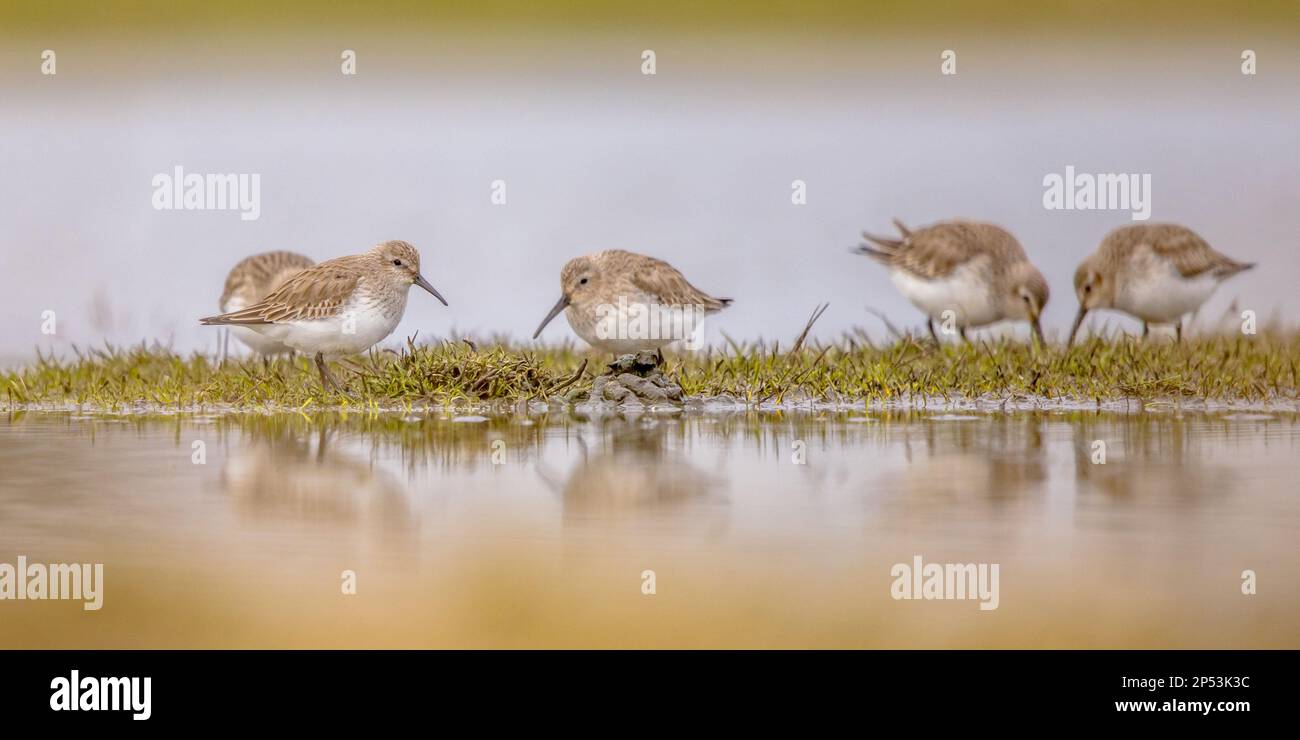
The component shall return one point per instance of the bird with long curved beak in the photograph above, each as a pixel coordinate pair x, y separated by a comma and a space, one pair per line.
338, 307
1155, 272
623, 302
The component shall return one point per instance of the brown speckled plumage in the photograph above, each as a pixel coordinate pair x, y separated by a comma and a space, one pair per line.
592, 284
323, 290
1157, 273
338, 307
935, 251
1180, 246
254, 277
975, 272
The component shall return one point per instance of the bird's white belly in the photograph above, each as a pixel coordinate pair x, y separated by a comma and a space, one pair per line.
964, 292
251, 339
1163, 295
258, 343
357, 328
635, 324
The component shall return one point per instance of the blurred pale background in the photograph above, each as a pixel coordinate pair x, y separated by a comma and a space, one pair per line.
693, 164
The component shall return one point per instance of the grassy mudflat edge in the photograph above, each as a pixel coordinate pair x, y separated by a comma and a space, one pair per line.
1255, 368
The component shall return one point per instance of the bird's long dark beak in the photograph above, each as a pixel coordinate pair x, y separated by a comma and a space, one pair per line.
1078, 321
1038, 332
420, 281
560, 305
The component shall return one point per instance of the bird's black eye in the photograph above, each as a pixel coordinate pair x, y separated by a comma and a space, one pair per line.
1087, 289
397, 262
582, 281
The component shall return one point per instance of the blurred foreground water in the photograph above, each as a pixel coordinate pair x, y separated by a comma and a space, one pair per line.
536, 531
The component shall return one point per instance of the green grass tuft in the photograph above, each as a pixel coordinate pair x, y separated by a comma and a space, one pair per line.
1219, 368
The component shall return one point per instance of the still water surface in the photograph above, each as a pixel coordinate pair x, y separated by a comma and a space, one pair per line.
536, 530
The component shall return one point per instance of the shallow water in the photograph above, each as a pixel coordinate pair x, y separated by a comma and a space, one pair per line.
537, 530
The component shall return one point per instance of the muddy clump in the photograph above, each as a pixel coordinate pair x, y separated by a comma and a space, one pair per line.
630, 377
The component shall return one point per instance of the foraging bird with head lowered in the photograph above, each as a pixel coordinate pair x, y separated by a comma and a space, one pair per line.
1155, 272
976, 271
623, 302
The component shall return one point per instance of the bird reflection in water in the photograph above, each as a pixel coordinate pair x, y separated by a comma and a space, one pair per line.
635, 467
982, 459
281, 473
1151, 459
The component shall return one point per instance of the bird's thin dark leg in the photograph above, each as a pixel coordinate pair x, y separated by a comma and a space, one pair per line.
929, 323
964, 338
1146, 329
1178, 331
326, 379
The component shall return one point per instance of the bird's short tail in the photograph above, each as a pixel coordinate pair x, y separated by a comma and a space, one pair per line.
880, 255
1232, 268
885, 249
721, 304
252, 315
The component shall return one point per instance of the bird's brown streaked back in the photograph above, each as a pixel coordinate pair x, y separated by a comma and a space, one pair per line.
629, 272
594, 282
1183, 248
320, 291
663, 281
257, 275
935, 251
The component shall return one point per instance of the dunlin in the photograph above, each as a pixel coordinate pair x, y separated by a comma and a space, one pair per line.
622, 302
338, 307
251, 280
1156, 272
977, 271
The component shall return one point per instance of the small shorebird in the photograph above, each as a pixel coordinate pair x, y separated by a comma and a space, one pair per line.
977, 271
623, 302
338, 307
1156, 272
251, 280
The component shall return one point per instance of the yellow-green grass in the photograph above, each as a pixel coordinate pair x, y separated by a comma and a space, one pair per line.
1258, 368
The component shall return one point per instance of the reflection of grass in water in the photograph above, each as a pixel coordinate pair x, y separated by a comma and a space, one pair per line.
1210, 368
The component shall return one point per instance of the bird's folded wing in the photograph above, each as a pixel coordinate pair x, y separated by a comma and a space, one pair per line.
262, 272
317, 292
661, 280
934, 252
1191, 255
